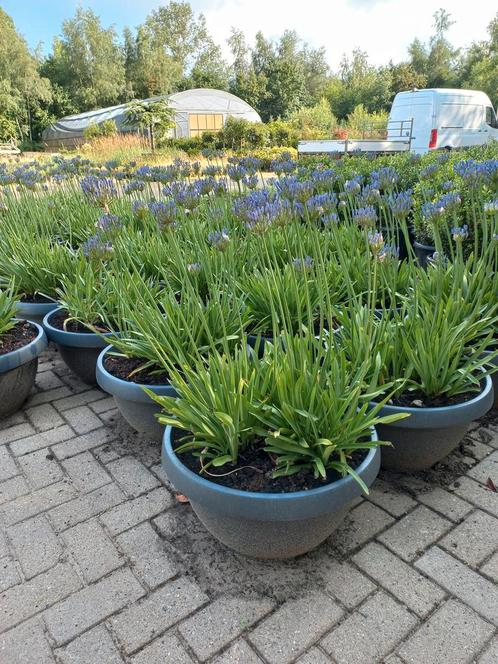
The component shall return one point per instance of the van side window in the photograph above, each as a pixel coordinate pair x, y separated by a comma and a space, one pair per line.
491, 117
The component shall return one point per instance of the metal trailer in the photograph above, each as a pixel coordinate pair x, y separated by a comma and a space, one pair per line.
400, 134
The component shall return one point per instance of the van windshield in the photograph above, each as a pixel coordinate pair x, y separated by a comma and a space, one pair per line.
491, 117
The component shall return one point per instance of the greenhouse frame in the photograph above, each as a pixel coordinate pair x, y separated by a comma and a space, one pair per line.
195, 111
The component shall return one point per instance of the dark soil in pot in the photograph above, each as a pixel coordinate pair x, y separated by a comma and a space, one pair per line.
420, 400
20, 335
36, 299
58, 320
254, 469
125, 368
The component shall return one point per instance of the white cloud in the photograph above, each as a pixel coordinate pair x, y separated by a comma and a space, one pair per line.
383, 28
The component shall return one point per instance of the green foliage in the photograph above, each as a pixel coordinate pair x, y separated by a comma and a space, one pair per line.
8, 308
156, 117
105, 128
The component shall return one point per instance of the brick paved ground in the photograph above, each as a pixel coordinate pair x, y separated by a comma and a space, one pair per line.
100, 565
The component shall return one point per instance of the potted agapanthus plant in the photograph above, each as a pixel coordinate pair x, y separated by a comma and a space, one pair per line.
271, 451
21, 342
435, 347
35, 264
155, 325
77, 326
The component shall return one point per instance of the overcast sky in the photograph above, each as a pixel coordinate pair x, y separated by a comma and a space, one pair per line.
383, 28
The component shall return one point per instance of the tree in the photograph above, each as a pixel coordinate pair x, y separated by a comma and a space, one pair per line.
480, 65
88, 62
405, 77
154, 117
21, 86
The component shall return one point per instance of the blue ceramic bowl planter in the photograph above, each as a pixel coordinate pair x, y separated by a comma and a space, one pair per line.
17, 373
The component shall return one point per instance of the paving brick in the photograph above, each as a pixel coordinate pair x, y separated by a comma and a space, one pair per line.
147, 554
454, 633
459, 580
8, 467
302, 621
47, 380
446, 503
490, 654
82, 419
105, 453
487, 468
371, 632
314, 656
10, 434
41, 468
164, 650
38, 501
406, 584
478, 494
362, 523
212, 628
13, 488
103, 405
83, 508
132, 476
4, 548
44, 417
48, 396
239, 653
36, 545
490, 567
135, 511
80, 399
143, 621
85, 472
474, 539
23, 601
477, 449
26, 644
93, 647
41, 440
9, 574
346, 583
91, 605
385, 495
82, 443
415, 532
94, 552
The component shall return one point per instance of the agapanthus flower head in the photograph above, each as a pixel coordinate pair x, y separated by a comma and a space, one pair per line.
293, 189
193, 267
250, 181
400, 204
96, 247
491, 207
432, 212
365, 216
450, 201
353, 186
302, 264
283, 165
140, 209
98, 189
376, 241
165, 213
388, 252
370, 194
109, 223
429, 170
437, 260
385, 178
212, 170
460, 233
134, 185
219, 239
330, 219
321, 204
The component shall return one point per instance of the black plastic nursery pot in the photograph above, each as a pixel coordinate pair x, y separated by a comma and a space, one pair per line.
429, 434
35, 312
18, 371
134, 404
423, 252
79, 350
268, 525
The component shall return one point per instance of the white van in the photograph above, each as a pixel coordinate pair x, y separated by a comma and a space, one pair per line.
443, 118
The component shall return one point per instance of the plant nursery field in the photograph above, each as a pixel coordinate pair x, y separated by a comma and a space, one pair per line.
250, 352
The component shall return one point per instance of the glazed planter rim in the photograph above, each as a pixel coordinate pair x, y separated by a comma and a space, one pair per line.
290, 506
72, 339
441, 417
421, 245
20, 356
37, 307
125, 389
